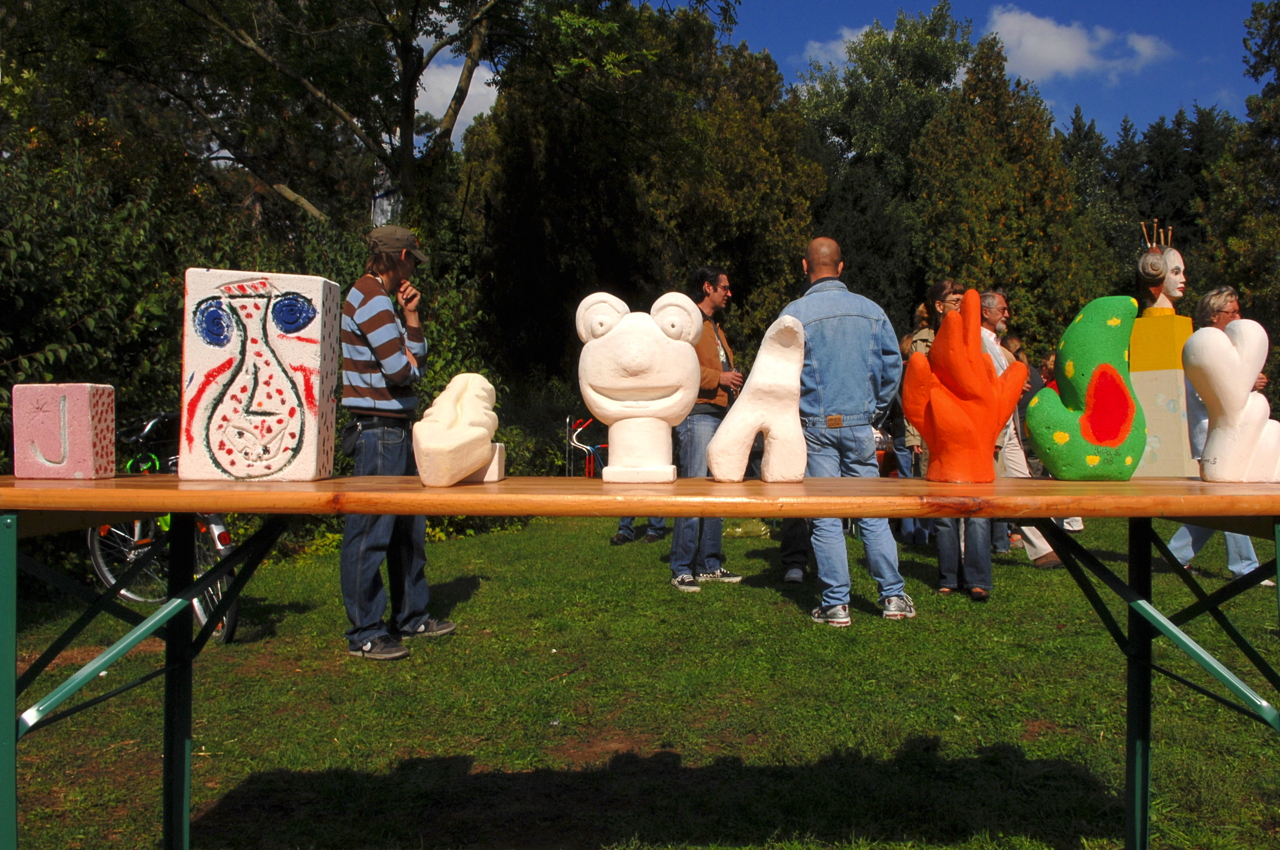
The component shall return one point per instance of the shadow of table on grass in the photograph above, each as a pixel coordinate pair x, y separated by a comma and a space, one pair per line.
917, 795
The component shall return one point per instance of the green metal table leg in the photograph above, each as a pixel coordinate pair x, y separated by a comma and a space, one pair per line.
177, 689
9, 681
1275, 529
1137, 786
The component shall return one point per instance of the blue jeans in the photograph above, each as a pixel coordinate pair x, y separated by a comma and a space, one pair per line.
976, 570
695, 542
657, 525
1190, 539
849, 452
368, 540
999, 537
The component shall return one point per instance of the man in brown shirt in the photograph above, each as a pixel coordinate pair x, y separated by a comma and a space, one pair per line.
695, 543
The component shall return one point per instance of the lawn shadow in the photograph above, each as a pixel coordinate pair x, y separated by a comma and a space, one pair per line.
916, 795
450, 594
260, 619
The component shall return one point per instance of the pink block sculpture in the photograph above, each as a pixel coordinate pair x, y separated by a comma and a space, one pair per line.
64, 431
259, 369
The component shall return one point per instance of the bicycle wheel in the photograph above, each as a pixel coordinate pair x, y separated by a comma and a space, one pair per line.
114, 548
206, 557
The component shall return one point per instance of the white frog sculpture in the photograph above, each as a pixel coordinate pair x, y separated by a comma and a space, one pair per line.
1243, 443
638, 373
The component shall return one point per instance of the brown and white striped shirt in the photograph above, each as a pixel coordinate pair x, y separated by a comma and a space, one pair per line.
377, 376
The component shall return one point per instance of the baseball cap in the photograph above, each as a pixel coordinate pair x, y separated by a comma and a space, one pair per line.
390, 239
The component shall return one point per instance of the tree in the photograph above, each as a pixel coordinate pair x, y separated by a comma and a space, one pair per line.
1242, 202
869, 115
996, 201
655, 151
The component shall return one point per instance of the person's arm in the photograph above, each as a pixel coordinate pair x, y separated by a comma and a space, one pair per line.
376, 319
415, 342
891, 374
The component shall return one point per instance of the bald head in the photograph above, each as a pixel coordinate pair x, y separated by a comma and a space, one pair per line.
822, 259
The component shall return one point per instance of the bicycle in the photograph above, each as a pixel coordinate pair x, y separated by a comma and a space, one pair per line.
114, 548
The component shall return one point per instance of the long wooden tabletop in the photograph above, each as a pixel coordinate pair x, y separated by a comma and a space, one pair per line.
841, 497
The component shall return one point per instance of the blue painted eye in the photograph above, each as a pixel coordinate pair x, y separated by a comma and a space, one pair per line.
292, 312
213, 322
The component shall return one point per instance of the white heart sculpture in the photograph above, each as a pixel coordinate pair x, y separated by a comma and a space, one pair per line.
1243, 442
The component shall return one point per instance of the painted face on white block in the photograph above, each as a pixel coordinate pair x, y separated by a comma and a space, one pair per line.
259, 368
639, 365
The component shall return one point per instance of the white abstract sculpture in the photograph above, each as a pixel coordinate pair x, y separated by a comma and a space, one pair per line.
259, 369
638, 373
1243, 442
769, 402
453, 439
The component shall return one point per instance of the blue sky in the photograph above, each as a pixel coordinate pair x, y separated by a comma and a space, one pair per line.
1143, 60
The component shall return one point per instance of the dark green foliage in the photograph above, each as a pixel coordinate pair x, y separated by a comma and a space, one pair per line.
870, 116
656, 151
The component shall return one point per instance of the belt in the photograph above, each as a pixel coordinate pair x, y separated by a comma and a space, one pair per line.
370, 420
834, 421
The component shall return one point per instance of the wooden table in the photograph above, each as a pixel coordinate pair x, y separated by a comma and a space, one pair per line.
28, 508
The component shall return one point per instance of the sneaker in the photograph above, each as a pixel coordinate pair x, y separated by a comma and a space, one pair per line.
1266, 582
381, 648
431, 628
795, 575
834, 615
619, 539
898, 607
652, 538
720, 575
685, 582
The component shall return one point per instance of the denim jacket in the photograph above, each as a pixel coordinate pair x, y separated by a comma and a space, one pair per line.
852, 365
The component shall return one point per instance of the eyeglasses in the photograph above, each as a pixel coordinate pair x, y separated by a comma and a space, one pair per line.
1234, 311
954, 299
723, 287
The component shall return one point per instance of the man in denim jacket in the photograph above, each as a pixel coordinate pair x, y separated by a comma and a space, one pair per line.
852, 367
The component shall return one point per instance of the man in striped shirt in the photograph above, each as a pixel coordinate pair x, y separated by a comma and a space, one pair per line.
380, 363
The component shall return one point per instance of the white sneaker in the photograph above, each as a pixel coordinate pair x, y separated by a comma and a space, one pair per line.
1266, 582
795, 575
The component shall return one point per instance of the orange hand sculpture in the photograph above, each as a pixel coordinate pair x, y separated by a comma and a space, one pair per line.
956, 401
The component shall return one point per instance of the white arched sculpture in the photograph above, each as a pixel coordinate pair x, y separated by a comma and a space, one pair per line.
638, 373
453, 439
1243, 442
769, 402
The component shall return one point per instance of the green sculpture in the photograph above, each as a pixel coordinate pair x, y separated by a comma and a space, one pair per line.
1093, 428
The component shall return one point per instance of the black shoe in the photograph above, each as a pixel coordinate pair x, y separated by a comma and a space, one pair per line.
619, 539
652, 538
431, 628
381, 648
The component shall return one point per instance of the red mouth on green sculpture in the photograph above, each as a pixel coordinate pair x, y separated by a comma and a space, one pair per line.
1108, 408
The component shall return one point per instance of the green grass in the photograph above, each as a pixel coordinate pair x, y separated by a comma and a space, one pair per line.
584, 702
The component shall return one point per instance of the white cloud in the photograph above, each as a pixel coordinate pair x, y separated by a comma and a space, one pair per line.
831, 52
1041, 48
436, 90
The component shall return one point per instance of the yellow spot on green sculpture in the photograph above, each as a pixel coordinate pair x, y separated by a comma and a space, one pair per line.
1126, 355
1113, 321
1092, 460
1061, 437
1128, 461
1070, 369
1034, 402
1078, 318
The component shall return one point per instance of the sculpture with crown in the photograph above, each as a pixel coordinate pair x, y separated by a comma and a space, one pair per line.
1155, 357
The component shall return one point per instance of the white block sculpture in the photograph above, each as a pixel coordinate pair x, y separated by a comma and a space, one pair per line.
769, 402
454, 438
639, 375
259, 370
1243, 442
64, 431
